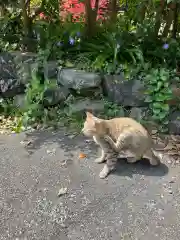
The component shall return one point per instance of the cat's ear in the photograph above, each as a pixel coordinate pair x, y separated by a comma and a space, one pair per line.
89, 115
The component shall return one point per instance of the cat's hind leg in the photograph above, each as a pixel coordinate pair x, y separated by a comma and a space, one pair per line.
153, 159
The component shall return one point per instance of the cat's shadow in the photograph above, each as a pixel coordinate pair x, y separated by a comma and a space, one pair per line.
141, 167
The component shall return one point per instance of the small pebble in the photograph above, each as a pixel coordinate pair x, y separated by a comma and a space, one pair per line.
63, 225
51, 151
71, 136
172, 181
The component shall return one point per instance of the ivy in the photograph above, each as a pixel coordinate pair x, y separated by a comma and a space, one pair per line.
158, 94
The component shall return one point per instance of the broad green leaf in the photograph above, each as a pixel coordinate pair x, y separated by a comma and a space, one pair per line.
159, 85
165, 107
156, 111
162, 115
160, 97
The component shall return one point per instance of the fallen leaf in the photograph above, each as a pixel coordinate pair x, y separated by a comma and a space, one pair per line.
178, 145
26, 143
172, 153
62, 191
170, 147
175, 138
82, 155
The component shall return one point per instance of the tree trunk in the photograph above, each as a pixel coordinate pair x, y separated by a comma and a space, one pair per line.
25, 20
159, 15
112, 11
143, 10
25, 17
91, 15
175, 23
28, 43
2, 10
169, 19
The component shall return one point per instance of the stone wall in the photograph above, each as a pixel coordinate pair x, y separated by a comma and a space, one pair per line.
86, 88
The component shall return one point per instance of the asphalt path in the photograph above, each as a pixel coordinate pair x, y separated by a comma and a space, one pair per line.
48, 193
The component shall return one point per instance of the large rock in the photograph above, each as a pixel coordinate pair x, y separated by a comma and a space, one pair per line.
52, 96
9, 83
25, 65
143, 116
15, 69
139, 114
51, 70
174, 123
129, 93
18, 68
19, 101
82, 82
82, 105
55, 95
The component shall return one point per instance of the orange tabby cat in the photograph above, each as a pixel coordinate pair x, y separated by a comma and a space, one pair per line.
119, 134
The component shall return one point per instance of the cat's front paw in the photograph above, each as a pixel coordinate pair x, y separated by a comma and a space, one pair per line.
104, 172
99, 160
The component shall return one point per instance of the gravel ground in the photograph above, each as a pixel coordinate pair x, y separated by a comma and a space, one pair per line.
137, 201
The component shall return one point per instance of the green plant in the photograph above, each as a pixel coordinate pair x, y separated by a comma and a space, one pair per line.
34, 110
107, 50
9, 116
112, 110
10, 30
36, 114
6, 107
158, 94
158, 52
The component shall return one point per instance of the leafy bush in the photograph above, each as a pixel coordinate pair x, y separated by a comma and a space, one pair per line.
108, 50
161, 53
135, 42
158, 94
60, 40
10, 31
